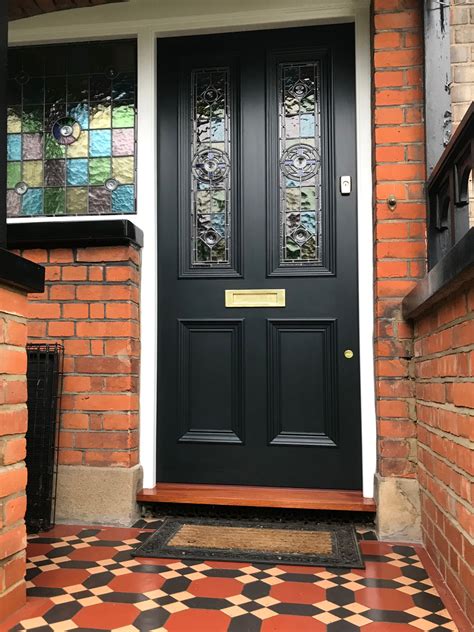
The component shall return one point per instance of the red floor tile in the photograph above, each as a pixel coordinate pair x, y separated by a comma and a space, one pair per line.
291, 623
93, 553
384, 599
106, 616
216, 587
198, 621
298, 592
137, 583
61, 578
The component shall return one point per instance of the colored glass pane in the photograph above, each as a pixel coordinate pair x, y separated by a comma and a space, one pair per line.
99, 170
13, 204
33, 173
13, 174
122, 170
14, 147
123, 199
71, 108
100, 142
55, 201
123, 116
32, 202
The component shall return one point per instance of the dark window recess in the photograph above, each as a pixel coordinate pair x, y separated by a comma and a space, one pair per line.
44, 377
451, 192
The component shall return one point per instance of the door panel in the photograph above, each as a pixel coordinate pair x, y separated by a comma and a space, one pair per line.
255, 130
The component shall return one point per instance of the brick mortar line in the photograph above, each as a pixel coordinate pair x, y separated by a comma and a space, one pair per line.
467, 317
444, 353
12, 408
451, 408
447, 379
444, 434
452, 465
447, 515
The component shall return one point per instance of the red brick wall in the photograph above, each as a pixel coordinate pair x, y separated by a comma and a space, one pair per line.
91, 306
444, 351
13, 420
400, 249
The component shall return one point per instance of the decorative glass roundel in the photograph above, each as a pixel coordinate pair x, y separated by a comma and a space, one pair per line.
300, 162
111, 184
66, 131
210, 165
21, 188
299, 89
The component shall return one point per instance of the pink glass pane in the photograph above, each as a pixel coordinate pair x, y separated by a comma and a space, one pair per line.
13, 203
123, 142
32, 146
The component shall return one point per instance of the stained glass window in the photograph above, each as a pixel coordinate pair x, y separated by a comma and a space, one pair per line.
210, 173
71, 129
300, 150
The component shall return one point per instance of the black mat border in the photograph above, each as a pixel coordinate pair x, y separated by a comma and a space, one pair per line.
345, 543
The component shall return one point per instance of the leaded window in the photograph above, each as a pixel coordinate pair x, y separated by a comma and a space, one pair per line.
210, 173
300, 162
71, 129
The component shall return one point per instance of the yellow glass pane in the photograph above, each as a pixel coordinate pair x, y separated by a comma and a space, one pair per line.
76, 200
13, 123
33, 173
79, 149
122, 169
100, 117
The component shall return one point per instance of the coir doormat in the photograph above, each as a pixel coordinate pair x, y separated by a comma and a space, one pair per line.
243, 541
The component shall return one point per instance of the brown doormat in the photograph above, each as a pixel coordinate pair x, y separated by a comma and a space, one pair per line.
264, 542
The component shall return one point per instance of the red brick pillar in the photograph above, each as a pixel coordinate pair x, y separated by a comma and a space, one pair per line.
91, 306
13, 421
400, 252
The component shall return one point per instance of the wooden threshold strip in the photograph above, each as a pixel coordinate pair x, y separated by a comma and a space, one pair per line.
247, 496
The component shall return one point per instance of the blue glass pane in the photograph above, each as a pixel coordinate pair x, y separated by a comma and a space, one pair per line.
80, 113
14, 147
77, 171
218, 223
100, 142
307, 125
308, 221
123, 199
32, 202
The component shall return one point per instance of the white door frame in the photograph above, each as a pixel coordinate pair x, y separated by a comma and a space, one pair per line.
146, 29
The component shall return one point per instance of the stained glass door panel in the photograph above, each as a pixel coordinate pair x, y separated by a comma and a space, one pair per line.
254, 129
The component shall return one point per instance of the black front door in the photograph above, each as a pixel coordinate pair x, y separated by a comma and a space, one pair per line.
256, 131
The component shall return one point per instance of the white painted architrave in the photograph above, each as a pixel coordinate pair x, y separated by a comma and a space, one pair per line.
142, 19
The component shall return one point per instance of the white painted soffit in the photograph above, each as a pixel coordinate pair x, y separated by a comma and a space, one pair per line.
175, 16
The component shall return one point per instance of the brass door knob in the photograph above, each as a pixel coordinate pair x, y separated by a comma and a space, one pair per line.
348, 353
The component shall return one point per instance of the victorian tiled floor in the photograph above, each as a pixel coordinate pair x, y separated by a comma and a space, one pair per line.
84, 578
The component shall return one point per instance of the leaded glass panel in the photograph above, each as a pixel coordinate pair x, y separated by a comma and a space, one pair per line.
71, 129
300, 164
210, 168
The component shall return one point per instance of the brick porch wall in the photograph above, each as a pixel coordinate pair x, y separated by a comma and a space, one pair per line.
13, 421
400, 249
444, 351
91, 306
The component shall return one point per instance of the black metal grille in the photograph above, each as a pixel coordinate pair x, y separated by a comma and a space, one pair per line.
44, 377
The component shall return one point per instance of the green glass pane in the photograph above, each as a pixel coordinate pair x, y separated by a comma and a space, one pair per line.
308, 251
13, 174
203, 252
52, 149
33, 118
99, 170
203, 201
218, 202
123, 116
292, 250
292, 199
308, 199
55, 201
